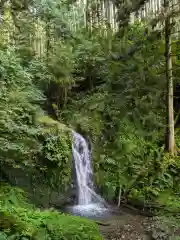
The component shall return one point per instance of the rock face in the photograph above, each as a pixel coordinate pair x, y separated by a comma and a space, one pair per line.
38, 191
64, 200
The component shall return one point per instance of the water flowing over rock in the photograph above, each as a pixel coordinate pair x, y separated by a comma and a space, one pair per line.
87, 198
83, 168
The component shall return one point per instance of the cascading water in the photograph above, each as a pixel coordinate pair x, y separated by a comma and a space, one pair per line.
88, 200
83, 168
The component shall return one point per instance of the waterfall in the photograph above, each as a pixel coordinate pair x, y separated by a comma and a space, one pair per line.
89, 203
84, 174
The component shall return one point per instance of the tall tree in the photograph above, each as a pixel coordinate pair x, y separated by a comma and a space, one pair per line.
169, 78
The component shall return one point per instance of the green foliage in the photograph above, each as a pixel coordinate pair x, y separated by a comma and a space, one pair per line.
119, 109
30, 140
49, 225
56, 155
19, 110
169, 225
105, 86
19, 219
13, 196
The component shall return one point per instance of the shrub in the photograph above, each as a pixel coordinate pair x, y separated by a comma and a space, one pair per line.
19, 108
20, 220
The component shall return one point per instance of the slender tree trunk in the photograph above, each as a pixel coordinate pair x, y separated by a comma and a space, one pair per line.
2, 3
47, 38
119, 197
169, 78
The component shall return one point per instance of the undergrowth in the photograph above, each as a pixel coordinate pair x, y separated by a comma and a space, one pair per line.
108, 87
21, 220
166, 227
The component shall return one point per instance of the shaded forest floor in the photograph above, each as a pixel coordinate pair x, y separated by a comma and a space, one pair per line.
126, 227
130, 227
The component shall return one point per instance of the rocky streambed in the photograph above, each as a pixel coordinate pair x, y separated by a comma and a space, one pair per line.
128, 224
128, 227
131, 226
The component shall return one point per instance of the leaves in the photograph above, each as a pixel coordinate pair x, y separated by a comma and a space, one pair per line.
19, 219
17, 106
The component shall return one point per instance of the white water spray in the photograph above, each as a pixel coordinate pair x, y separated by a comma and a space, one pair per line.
88, 200
82, 162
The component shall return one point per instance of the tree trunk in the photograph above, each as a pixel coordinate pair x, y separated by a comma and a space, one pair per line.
2, 3
47, 28
169, 78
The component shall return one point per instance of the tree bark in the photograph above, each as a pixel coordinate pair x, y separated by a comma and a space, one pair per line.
47, 37
2, 3
169, 78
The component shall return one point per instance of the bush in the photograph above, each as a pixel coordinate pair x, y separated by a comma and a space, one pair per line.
29, 140
49, 224
19, 108
20, 220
